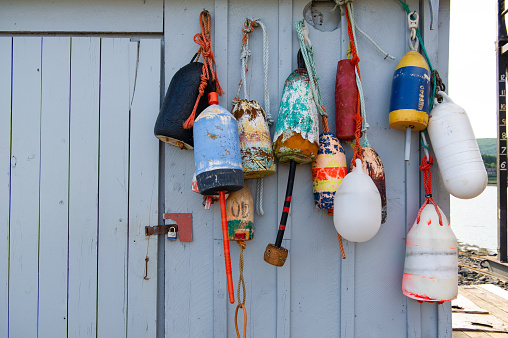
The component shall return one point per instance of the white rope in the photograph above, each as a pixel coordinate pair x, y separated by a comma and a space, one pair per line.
266, 58
259, 196
424, 139
374, 43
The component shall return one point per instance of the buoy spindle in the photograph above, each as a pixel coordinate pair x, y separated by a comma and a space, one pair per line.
287, 204
225, 240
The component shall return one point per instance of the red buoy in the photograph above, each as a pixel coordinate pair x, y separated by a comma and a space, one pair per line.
346, 100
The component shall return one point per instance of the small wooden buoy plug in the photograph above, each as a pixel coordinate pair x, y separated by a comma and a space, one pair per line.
275, 256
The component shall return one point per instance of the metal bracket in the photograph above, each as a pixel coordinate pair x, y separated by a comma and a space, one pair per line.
159, 229
184, 223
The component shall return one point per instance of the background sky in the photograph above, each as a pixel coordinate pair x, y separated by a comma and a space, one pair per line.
472, 64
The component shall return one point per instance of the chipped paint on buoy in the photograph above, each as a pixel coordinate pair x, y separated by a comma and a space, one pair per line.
240, 214
373, 166
296, 132
217, 158
328, 170
255, 142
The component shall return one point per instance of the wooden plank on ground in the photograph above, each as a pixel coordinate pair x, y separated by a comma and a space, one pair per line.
495, 290
487, 296
143, 188
54, 189
24, 219
113, 187
5, 174
474, 322
463, 305
478, 299
83, 186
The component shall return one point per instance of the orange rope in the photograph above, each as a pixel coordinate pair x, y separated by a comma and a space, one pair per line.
427, 183
358, 117
341, 246
203, 40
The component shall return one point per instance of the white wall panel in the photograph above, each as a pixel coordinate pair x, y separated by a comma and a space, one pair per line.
25, 165
82, 16
5, 175
54, 191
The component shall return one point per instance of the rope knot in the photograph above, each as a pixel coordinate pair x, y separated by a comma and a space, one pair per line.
426, 163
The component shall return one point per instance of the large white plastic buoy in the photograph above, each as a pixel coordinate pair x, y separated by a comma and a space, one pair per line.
457, 153
430, 267
357, 206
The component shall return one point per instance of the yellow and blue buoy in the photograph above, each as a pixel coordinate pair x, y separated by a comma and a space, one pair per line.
409, 107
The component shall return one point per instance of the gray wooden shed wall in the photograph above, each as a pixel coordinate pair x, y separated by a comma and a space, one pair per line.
83, 263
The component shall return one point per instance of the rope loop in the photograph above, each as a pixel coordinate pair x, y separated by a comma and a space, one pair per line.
248, 27
241, 284
209, 66
425, 166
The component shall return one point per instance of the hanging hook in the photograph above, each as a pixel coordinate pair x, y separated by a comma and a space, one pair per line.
412, 21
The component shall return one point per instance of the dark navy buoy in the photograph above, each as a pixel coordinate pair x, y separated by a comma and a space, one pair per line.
217, 157
178, 105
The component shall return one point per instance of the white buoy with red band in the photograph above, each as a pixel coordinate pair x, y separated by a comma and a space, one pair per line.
457, 154
430, 266
218, 164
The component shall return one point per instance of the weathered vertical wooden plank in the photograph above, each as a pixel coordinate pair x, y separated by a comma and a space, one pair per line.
286, 61
24, 231
189, 266
5, 174
444, 311
223, 325
143, 196
83, 187
54, 187
113, 188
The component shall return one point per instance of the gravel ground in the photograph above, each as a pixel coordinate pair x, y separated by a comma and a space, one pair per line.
471, 277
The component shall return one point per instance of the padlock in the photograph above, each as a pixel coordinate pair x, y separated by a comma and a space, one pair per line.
172, 233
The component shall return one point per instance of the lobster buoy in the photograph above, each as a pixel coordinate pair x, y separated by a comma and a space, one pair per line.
296, 141
373, 166
430, 267
346, 100
178, 104
255, 142
217, 157
328, 170
457, 154
409, 106
357, 206
296, 131
240, 213
218, 164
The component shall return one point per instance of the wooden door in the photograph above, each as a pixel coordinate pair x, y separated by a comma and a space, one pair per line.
79, 181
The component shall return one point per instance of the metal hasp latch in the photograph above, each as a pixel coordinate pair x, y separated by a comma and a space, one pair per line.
183, 226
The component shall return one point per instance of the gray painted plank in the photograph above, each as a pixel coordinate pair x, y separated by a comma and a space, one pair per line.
5, 173
113, 188
83, 187
286, 62
54, 187
143, 196
79, 16
189, 298
24, 221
